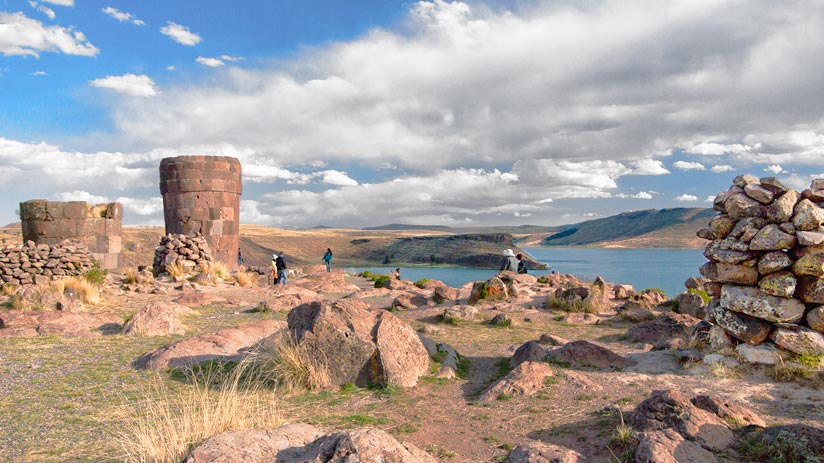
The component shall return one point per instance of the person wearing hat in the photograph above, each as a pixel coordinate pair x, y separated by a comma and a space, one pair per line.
510, 262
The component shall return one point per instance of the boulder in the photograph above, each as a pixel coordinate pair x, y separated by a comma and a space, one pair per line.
524, 380
772, 184
810, 238
738, 274
757, 303
668, 446
252, 445
493, 289
772, 238
773, 262
743, 180
551, 340
157, 319
749, 329
695, 283
780, 284
739, 206
444, 293
691, 304
807, 215
226, 344
459, 312
716, 252
800, 340
587, 354
356, 445
529, 351
20, 323
358, 346
622, 291
666, 326
721, 226
543, 452
810, 264
781, 210
409, 300
764, 354
815, 318
810, 290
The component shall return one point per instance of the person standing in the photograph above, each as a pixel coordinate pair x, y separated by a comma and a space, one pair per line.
274, 269
280, 266
327, 258
521, 263
239, 259
510, 261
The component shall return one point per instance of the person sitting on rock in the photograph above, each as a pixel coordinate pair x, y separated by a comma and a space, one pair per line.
510, 262
396, 275
521, 263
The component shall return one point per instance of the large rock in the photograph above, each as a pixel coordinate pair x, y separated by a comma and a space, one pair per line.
815, 318
524, 380
543, 452
764, 354
781, 210
668, 446
749, 329
739, 206
810, 290
666, 326
253, 445
738, 274
718, 251
587, 354
692, 304
757, 303
721, 226
366, 445
493, 289
157, 319
358, 346
810, 238
19, 323
807, 216
226, 344
772, 238
801, 340
780, 284
773, 262
810, 264
529, 351
759, 193
727, 410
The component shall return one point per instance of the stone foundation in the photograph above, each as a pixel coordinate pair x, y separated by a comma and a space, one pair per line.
201, 194
97, 226
31, 263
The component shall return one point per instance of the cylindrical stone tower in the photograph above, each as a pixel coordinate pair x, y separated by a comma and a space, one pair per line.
201, 194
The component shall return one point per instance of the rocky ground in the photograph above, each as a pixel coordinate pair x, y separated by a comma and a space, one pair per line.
65, 384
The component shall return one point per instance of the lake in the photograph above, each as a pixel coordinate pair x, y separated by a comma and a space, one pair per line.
666, 269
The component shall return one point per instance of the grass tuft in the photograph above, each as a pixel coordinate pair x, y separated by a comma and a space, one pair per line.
245, 279
84, 289
567, 305
130, 276
285, 364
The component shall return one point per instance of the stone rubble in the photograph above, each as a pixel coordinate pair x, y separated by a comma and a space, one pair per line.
190, 251
30, 263
766, 264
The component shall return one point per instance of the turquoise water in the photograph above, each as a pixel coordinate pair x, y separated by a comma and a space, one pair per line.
666, 269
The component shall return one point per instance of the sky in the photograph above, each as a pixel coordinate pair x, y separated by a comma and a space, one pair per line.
369, 112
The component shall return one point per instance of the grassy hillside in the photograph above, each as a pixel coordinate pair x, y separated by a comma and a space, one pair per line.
647, 228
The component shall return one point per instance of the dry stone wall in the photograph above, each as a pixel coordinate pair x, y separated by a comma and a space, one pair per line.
188, 251
31, 263
97, 226
201, 194
766, 264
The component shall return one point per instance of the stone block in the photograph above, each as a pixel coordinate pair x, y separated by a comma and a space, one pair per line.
810, 290
75, 209
755, 302
800, 341
738, 274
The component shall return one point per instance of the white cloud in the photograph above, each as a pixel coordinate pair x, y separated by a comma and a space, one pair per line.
334, 177
710, 199
122, 16
639, 195
129, 84
180, 34
170, 68
78, 195
144, 207
649, 167
211, 62
717, 149
686, 165
20, 35
231, 58
39, 73
686, 198
60, 2
774, 169
43, 9
719, 169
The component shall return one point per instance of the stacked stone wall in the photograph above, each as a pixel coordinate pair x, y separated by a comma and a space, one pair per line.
188, 251
766, 264
201, 195
32, 263
99, 227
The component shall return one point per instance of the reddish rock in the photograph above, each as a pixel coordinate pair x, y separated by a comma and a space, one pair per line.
757, 303
781, 210
157, 319
739, 206
666, 326
529, 351
543, 452
444, 293
728, 411
357, 445
584, 353
815, 318
20, 323
772, 238
749, 329
525, 379
800, 340
780, 284
721, 226
810, 264
252, 445
807, 215
410, 300
810, 290
773, 262
738, 274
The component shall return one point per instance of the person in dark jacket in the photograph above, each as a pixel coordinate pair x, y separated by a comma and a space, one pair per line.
327, 258
280, 266
521, 263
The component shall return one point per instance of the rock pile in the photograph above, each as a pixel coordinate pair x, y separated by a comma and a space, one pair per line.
766, 264
189, 251
31, 263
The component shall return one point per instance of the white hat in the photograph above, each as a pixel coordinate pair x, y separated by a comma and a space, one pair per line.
509, 253
274, 256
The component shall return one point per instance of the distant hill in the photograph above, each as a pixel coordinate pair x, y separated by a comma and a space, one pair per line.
403, 226
648, 228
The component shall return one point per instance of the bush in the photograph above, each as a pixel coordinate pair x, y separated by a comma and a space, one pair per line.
787, 447
380, 280
96, 275
176, 269
422, 282
704, 296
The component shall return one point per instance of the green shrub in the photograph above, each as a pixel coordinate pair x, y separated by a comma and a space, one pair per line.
704, 296
96, 275
422, 282
785, 448
380, 280
567, 305
655, 290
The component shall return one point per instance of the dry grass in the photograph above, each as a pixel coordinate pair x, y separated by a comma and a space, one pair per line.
719, 370
175, 270
85, 291
9, 289
285, 364
164, 426
216, 269
130, 276
246, 279
571, 305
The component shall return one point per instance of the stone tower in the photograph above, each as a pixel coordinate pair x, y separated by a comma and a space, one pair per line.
201, 194
98, 227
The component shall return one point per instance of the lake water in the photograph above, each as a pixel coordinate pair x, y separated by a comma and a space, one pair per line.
666, 269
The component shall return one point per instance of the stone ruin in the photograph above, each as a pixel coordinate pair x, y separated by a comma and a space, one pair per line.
30, 263
766, 266
189, 251
201, 195
98, 227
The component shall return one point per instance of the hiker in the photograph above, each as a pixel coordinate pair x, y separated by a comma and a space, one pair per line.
510, 262
327, 258
396, 275
280, 266
239, 258
521, 263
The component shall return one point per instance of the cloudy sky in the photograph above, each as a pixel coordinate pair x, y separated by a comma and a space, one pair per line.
368, 112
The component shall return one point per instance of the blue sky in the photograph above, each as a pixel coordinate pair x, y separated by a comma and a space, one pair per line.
363, 113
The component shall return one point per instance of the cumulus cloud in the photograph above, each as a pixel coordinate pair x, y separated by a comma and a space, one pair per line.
39, 73
211, 62
180, 34
710, 199
122, 16
60, 2
129, 84
43, 9
639, 195
686, 198
78, 195
686, 165
719, 169
774, 169
20, 35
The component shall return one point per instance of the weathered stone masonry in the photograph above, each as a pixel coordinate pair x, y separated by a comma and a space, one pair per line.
98, 227
201, 194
